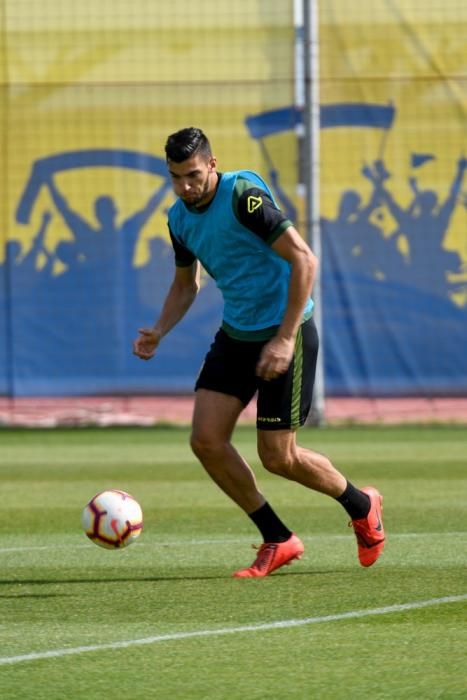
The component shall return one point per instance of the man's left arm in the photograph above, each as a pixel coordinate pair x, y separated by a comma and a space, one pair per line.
278, 352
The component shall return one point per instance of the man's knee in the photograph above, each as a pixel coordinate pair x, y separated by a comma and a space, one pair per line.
277, 461
204, 444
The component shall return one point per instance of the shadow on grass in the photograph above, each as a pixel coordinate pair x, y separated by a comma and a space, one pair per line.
151, 579
12, 596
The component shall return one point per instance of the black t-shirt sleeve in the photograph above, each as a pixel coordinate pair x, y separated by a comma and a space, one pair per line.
256, 211
183, 256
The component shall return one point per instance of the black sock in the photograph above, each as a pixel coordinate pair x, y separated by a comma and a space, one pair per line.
355, 502
269, 524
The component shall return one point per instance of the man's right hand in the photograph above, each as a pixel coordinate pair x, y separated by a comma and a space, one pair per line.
146, 344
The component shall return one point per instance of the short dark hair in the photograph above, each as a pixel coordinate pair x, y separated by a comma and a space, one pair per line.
186, 143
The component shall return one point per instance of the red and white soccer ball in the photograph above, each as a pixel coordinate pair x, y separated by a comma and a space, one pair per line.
113, 519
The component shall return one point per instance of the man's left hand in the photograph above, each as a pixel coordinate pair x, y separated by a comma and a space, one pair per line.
275, 358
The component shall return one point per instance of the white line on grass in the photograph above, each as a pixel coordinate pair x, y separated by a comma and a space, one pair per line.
261, 627
224, 540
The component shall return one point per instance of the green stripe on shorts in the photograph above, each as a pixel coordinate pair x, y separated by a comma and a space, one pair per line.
297, 381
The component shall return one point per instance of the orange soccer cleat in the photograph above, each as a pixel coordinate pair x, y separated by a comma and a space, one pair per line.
271, 556
369, 531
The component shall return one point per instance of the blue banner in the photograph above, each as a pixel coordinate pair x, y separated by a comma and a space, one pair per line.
392, 321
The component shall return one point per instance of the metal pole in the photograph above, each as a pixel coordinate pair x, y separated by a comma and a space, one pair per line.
312, 182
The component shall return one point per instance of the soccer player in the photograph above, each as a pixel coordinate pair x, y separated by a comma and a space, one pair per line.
267, 344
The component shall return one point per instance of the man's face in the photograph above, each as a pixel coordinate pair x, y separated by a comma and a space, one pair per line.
194, 180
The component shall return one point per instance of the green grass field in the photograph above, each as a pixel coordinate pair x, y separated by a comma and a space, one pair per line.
164, 619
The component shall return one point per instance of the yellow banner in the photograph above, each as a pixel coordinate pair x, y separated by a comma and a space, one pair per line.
120, 77
411, 56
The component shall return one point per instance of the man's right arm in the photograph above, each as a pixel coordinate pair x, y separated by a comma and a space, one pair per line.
181, 295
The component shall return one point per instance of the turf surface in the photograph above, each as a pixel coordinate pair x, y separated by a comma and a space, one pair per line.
397, 630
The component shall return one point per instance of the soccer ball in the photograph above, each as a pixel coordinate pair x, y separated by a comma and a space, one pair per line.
112, 519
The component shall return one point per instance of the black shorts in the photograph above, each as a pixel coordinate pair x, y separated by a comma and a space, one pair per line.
284, 402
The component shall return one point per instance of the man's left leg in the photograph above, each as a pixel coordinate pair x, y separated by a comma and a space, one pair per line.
280, 455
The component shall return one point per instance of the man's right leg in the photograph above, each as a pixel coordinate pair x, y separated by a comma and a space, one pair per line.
214, 418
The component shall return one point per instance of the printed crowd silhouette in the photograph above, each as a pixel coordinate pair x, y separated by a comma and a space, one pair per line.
387, 296
354, 238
